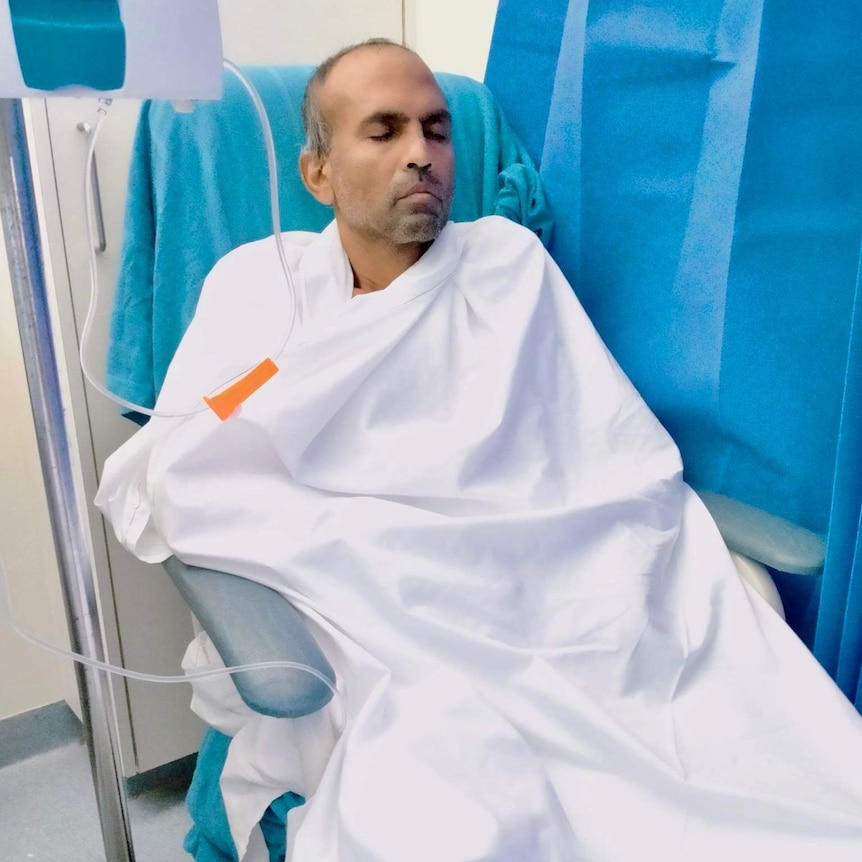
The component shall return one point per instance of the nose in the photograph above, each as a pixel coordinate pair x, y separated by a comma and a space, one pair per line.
417, 155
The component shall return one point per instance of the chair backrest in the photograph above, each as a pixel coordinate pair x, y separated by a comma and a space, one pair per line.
199, 187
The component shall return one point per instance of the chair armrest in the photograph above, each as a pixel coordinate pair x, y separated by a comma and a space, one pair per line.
766, 538
248, 622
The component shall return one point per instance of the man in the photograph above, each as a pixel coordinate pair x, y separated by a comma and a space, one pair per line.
543, 650
380, 153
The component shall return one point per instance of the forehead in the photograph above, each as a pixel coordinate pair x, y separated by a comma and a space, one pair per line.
379, 79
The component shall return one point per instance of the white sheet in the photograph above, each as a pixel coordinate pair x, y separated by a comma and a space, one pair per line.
544, 649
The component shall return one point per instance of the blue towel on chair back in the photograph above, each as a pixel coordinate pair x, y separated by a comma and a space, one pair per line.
199, 187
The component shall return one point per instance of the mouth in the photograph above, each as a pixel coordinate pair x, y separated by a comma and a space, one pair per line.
419, 192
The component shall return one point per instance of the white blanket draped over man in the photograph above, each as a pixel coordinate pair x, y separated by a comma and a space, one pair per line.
544, 651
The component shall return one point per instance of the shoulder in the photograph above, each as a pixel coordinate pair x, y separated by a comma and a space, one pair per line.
244, 300
252, 271
263, 252
500, 261
495, 229
497, 241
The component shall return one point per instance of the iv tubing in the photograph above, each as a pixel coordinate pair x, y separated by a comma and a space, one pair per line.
86, 334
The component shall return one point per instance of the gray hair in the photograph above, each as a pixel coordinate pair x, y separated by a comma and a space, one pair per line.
318, 134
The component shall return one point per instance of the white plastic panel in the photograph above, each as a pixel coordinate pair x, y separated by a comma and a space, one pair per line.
173, 51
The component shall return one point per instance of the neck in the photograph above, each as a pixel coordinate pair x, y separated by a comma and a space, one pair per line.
376, 264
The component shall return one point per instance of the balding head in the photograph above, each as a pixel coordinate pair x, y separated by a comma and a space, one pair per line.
318, 135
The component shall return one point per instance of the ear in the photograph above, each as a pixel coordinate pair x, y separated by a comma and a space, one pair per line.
315, 176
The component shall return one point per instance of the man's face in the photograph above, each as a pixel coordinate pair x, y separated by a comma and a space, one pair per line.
390, 167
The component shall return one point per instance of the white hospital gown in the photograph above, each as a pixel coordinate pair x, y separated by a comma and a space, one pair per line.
544, 650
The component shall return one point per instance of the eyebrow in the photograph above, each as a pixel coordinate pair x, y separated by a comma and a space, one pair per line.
396, 118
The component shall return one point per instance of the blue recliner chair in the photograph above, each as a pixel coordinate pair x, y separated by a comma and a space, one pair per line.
212, 160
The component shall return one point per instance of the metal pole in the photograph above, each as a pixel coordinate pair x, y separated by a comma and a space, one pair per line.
20, 226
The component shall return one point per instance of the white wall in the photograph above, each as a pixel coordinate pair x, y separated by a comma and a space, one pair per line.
451, 35
259, 32
28, 677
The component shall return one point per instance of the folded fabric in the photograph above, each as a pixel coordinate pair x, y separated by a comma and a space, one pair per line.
199, 187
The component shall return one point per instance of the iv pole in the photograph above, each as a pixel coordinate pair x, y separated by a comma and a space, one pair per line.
20, 226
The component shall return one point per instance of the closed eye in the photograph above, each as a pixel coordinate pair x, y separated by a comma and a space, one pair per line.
437, 127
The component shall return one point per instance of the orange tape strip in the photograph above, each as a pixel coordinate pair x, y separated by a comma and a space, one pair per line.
225, 403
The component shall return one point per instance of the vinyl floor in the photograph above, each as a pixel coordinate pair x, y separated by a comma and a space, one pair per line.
48, 810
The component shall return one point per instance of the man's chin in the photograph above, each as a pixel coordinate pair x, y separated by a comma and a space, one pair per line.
419, 227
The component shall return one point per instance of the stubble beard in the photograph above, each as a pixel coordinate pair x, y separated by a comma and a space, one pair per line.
403, 224
422, 222
418, 227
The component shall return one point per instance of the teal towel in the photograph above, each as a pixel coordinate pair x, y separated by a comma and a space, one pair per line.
209, 839
199, 187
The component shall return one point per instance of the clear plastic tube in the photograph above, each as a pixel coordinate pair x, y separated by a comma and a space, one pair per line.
86, 335
6, 612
